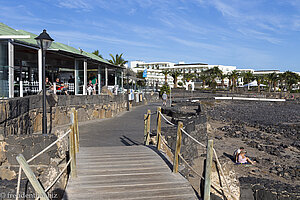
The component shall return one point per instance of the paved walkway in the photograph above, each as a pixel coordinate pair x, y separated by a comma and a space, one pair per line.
112, 164
125, 129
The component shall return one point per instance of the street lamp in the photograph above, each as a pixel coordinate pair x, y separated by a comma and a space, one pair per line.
44, 41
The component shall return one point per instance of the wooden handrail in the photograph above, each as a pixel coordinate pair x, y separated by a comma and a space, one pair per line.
32, 178
73, 148
160, 141
145, 128
209, 156
158, 129
178, 146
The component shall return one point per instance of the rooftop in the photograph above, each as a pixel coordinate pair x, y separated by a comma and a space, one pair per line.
190, 64
55, 46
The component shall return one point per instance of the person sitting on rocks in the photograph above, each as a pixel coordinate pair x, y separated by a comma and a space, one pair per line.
243, 159
236, 153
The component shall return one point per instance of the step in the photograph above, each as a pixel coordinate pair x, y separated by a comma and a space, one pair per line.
162, 193
126, 188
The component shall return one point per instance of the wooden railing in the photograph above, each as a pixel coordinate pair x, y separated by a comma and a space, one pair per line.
162, 144
73, 146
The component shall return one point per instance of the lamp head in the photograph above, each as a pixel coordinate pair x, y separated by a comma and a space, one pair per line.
44, 40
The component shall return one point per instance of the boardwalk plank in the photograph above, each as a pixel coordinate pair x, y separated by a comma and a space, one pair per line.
134, 172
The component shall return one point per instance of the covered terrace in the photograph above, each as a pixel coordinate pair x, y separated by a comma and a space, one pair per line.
21, 66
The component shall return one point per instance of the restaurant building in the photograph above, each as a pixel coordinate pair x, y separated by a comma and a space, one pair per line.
21, 66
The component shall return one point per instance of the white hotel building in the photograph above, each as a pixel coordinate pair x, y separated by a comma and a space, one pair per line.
154, 69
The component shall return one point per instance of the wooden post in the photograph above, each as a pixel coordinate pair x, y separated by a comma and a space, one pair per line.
33, 180
76, 130
72, 152
148, 127
209, 156
177, 150
145, 128
73, 128
158, 129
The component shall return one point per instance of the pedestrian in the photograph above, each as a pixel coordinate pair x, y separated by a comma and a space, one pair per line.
164, 97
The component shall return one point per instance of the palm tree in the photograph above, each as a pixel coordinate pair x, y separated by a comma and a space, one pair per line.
97, 53
290, 78
165, 72
229, 78
189, 76
214, 73
259, 79
272, 78
203, 76
247, 77
222, 77
234, 75
118, 60
175, 74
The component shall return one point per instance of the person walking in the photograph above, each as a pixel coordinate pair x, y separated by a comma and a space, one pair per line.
164, 97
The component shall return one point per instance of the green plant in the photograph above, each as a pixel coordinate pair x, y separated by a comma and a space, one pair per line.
97, 53
180, 84
164, 88
117, 60
175, 74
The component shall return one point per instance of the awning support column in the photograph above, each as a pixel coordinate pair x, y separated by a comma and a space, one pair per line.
84, 76
21, 79
106, 76
99, 79
40, 68
76, 77
122, 78
11, 69
116, 77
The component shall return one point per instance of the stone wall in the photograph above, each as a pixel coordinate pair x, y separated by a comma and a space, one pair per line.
23, 116
46, 166
194, 122
20, 133
181, 93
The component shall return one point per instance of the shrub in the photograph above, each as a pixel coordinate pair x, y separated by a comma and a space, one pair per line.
164, 88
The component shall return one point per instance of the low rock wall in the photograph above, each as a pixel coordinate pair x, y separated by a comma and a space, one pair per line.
23, 116
20, 133
194, 122
181, 93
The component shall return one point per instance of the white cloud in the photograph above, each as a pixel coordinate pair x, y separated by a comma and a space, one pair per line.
75, 4
78, 37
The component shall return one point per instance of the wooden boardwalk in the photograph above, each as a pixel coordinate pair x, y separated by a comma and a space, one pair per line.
125, 172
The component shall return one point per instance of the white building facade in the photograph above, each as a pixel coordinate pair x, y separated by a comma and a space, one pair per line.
155, 76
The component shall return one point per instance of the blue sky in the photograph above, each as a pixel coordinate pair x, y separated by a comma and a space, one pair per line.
259, 34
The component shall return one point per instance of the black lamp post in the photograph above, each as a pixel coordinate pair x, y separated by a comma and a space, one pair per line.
44, 41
